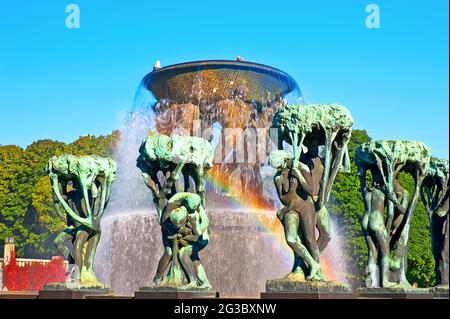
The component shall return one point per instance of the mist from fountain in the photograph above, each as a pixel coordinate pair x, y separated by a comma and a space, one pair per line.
332, 259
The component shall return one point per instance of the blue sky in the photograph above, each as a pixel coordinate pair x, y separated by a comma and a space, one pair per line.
61, 83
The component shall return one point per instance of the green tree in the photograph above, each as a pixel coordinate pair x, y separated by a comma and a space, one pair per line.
26, 200
420, 257
88, 145
15, 194
347, 203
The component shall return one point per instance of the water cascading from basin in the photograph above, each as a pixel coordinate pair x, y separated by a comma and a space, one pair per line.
247, 244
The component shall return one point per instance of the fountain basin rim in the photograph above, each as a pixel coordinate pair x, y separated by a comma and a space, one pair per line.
223, 64
174, 82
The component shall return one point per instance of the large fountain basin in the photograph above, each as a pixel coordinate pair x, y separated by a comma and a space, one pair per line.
216, 80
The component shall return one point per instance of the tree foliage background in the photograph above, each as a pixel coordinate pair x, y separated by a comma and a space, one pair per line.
26, 201
27, 213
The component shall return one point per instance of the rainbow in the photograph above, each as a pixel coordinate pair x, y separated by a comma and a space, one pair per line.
263, 217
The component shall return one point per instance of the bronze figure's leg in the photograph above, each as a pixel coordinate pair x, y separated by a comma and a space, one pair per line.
88, 270
373, 272
60, 243
165, 259
195, 258
439, 228
291, 224
323, 226
78, 248
373, 261
376, 226
399, 262
308, 225
443, 266
188, 267
299, 263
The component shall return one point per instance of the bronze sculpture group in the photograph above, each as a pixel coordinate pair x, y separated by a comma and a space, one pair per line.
435, 195
385, 160
318, 134
82, 186
181, 214
175, 169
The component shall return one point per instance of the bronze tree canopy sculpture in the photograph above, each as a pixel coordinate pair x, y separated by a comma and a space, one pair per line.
385, 160
163, 160
435, 196
324, 130
82, 186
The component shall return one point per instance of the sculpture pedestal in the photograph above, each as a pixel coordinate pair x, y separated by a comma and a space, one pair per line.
394, 293
72, 291
287, 288
440, 292
18, 294
174, 293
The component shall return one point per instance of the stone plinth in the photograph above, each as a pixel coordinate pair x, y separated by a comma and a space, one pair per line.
72, 291
18, 294
292, 288
440, 292
174, 293
394, 293
107, 297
